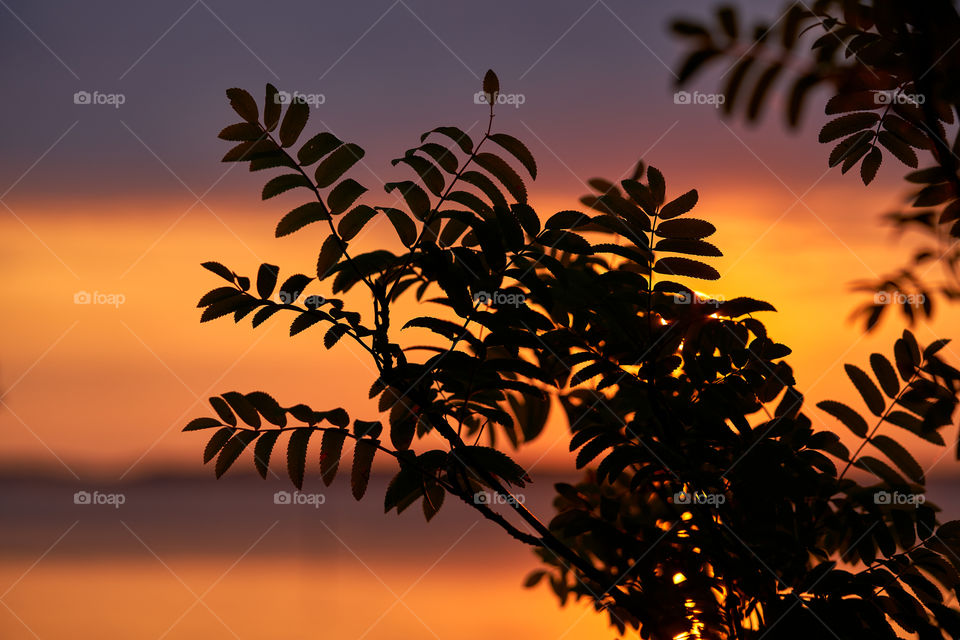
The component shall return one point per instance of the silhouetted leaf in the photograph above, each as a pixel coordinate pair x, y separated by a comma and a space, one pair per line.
850, 418
497, 463
337, 163
303, 321
343, 195
363, 454
849, 145
317, 147
680, 205
219, 269
848, 124
867, 389
268, 407
244, 104
271, 107
293, 122
899, 148
267, 279
886, 375
279, 184
243, 408
216, 442
688, 246
457, 135
870, 165
232, 450
301, 217
429, 174
263, 450
405, 227
330, 254
686, 267
416, 198
243, 131
518, 150
297, 455
685, 228
899, 456
355, 219
331, 447
491, 85
202, 423
504, 173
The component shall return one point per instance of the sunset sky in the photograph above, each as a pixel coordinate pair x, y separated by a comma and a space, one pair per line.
128, 200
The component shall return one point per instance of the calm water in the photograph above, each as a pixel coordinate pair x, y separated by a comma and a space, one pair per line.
197, 558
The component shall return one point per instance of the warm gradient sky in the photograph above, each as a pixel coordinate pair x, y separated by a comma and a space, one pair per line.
130, 200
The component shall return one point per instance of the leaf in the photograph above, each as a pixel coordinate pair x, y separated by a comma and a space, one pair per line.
867, 389
455, 134
486, 185
232, 450
355, 219
367, 428
263, 451
904, 360
243, 408
688, 246
429, 174
686, 267
416, 198
279, 184
566, 220
870, 165
242, 131
216, 442
495, 462
847, 124
267, 279
762, 88
504, 173
317, 147
491, 85
244, 104
301, 217
685, 228
293, 122
271, 107
343, 195
202, 423
848, 146
899, 456
333, 335
852, 101
363, 453
303, 321
331, 448
886, 375
293, 287
658, 186
850, 418
337, 163
432, 500
680, 205
405, 227
268, 407
518, 150
330, 254
297, 455
220, 270
898, 148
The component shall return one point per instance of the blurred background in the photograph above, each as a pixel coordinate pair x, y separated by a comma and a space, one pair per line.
112, 195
